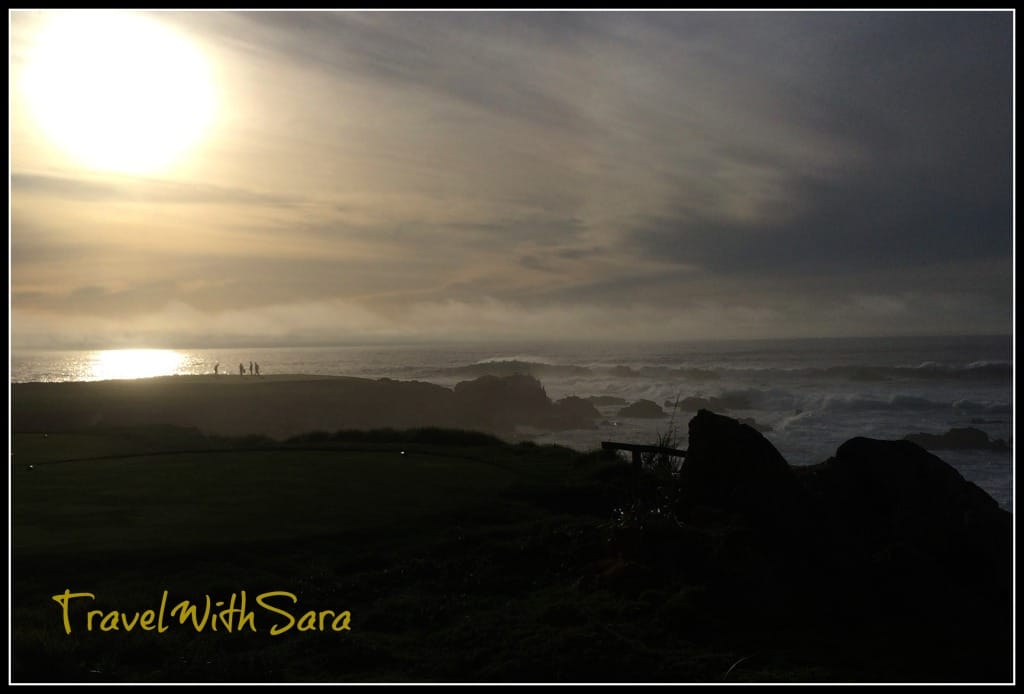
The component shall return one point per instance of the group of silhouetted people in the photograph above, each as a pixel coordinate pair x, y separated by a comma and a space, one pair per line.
254, 369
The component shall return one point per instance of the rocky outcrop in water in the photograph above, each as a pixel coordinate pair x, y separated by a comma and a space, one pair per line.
642, 409
605, 400
573, 413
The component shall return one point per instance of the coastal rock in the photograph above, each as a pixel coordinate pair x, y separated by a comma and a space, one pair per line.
573, 413
883, 532
905, 487
499, 403
889, 502
694, 403
731, 465
605, 400
733, 400
642, 409
967, 438
871, 498
751, 422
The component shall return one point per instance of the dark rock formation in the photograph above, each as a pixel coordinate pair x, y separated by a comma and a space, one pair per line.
967, 438
642, 409
751, 422
732, 466
898, 492
734, 400
883, 541
573, 413
603, 400
894, 516
498, 403
693, 404
871, 494
501, 403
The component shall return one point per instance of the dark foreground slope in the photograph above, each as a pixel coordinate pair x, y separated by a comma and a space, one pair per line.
461, 558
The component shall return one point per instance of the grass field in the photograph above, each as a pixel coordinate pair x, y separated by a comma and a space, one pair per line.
376, 529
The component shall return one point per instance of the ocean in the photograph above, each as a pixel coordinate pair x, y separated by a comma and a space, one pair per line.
808, 395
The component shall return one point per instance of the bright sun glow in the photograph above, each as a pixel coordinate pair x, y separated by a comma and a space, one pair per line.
118, 92
135, 363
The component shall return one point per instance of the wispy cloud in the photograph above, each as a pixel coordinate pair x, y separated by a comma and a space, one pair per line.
141, 190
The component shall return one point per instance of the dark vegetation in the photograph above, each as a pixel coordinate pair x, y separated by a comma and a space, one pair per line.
462, 558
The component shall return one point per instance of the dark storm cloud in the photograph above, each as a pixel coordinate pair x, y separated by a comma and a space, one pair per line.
848, 227
925, 101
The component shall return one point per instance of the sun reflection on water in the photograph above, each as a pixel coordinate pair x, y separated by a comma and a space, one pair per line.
134, 363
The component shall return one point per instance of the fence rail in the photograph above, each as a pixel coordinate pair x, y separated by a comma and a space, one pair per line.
638, 462
637, 450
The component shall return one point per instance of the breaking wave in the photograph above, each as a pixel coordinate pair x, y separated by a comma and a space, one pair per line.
979, 370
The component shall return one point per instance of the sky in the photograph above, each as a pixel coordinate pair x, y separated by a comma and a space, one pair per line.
244, 178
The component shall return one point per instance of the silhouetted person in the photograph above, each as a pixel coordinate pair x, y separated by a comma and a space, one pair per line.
251, 372
216, 368
241, 369
257, 368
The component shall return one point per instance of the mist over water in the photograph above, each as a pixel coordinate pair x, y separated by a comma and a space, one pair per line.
808, 395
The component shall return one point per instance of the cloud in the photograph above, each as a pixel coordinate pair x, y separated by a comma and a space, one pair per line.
713, 174
842, 226
141, 190
328, 322
178, 324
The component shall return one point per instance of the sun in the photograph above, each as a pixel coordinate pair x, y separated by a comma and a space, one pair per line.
118, 91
